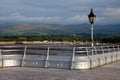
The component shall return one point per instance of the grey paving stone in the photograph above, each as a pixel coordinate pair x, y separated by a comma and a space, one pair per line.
107, 72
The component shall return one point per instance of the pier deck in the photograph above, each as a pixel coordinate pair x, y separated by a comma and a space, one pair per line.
107, 72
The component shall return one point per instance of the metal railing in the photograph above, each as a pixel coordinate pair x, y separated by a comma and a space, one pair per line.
58, 57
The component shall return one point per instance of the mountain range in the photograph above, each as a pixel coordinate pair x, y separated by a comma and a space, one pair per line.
58, 29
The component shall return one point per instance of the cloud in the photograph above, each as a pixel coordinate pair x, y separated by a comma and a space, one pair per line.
59, 11
112, 12
76, 19
20, 18
109, 16
55, 19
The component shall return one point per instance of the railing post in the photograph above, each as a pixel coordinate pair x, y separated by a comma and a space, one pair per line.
118, 48
89, 57
1, 58
87, 51
24, 55
47, 57
115, 53
72, 59
102, 50
108, 49
0, 53
96, 53
118, 52
114, 49
106, 59
92, 51
111, 51
95, 50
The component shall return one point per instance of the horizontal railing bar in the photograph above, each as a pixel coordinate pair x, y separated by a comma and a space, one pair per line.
61, 49
11, 50
80, 51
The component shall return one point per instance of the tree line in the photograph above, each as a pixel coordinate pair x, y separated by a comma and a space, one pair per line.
113, 39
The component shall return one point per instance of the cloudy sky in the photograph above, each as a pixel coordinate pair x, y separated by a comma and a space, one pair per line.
60, 11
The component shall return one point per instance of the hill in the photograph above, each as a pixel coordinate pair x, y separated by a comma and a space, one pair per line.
57, 29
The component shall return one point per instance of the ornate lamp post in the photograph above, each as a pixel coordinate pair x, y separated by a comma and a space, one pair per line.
91, 18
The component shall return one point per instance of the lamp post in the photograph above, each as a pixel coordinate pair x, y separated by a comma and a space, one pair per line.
91, 18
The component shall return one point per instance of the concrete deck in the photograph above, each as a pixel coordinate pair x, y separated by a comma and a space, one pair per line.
107, 72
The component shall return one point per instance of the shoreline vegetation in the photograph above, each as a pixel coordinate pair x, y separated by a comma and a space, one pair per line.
57, 39
42, 43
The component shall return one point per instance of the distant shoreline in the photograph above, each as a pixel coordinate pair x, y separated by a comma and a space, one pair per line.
53, 43
40, 42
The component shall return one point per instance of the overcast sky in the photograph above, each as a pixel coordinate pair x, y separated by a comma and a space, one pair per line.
60, 11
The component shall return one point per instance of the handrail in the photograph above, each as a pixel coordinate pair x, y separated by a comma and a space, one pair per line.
86, 50
70, 57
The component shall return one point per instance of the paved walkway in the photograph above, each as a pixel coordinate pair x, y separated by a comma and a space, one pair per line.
107, 72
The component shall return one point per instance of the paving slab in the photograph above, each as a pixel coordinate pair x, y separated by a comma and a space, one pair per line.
106, 72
